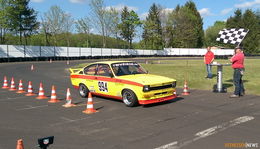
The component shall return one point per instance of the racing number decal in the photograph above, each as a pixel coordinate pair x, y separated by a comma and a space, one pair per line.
102, 86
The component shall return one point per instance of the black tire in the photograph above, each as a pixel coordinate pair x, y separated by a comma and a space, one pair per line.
83, 91
129, 98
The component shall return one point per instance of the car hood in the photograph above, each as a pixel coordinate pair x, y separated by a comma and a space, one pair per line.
147, 79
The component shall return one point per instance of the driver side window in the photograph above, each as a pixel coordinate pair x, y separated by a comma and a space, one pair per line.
90, 70
104, 70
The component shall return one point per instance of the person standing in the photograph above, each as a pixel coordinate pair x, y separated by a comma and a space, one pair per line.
208, 59
238, 65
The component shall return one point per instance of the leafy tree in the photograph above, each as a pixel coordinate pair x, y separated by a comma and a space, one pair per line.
152, 34
211, 34
99, 17
198, 23
3, 21
112, 22
235, 21
83, 26
184, 27
54, 22
129, 22
21, 18
249, 20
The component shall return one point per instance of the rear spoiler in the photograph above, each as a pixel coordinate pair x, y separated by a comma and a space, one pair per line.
74, 70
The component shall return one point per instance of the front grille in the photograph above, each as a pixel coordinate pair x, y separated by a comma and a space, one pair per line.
161, 87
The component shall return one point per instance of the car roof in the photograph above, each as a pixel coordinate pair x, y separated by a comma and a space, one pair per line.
111, 62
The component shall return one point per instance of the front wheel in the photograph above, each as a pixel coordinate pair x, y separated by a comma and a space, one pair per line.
129, 98
83, 91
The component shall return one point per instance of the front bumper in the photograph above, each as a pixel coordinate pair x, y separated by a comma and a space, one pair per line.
157, 100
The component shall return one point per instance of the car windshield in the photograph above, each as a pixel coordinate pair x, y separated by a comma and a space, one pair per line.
127, 68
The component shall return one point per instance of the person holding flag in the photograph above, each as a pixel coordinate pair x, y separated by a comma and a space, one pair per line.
208, 59
238, 65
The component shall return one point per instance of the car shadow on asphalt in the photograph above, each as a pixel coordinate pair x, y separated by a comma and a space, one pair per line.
178, 98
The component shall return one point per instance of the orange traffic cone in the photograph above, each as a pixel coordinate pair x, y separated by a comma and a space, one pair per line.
68, 62
185, 89
5, 84
12, 88
41, 93
20, 87
50, 60
53, 96
68, 103
19, 144
90, 107
32, 68
30, 90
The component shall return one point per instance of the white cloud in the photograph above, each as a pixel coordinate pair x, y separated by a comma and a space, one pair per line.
77, 1
37, 1
226, 11
143, 15
248, 4
120, 7
205, 12
167, 10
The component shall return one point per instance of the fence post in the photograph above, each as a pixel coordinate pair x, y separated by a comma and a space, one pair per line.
91, 53
40, 51
68, 53
79, 51
24, 54
54, 51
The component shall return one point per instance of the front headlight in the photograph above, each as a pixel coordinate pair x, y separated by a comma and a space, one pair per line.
146, 88
174, 84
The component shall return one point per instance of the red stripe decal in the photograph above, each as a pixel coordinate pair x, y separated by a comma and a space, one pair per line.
108, 96
106, 79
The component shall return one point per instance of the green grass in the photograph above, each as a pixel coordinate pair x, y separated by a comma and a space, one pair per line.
194, 71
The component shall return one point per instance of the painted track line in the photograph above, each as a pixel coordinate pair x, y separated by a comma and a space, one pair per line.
7, 99
32, 107
207, 132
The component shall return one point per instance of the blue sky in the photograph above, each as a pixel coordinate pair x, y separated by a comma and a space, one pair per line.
210, 10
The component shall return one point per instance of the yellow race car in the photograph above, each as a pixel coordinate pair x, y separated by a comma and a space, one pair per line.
123, 80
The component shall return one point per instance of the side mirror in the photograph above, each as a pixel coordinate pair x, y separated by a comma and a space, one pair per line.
111, 75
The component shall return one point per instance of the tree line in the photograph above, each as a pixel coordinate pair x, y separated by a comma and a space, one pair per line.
107, 27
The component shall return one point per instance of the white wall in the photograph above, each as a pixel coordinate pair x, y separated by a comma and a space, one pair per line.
49, 51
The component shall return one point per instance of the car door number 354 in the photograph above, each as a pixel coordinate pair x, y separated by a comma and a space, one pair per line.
102, 86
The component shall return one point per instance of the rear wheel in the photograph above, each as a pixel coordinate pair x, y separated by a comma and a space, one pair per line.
129, 98
83, 91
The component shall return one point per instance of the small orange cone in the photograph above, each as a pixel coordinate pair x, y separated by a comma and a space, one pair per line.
20, 87
185, 89
30, 90
41, 93
50, 60
12, 88
19, 144
68, 103
53, 96
32, 68
5, 84
68, 62
90, 107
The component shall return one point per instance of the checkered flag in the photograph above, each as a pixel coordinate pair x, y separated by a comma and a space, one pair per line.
233, 35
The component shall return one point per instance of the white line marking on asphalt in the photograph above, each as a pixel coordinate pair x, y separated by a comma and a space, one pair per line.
32, 107
167, 146
67, 120
207, 132
11, 98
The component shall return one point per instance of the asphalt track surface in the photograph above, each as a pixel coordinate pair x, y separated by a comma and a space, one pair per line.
202, 120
